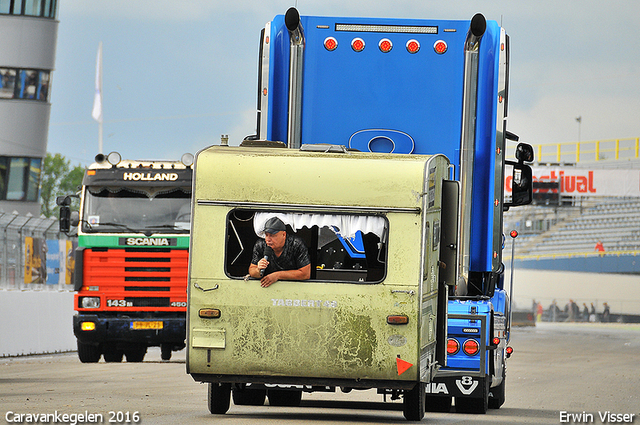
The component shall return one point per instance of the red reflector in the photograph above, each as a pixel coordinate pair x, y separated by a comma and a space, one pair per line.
385, 45
397, 320
514, 234
440, 47
413, 46
496, 341
357, 44
470, 347
330, 44
452, 346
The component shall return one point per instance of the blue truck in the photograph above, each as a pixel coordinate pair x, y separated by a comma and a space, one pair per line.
411, 87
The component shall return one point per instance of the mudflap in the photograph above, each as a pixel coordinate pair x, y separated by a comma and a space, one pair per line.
457, 386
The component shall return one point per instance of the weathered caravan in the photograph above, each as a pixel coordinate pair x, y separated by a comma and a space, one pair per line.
367, 317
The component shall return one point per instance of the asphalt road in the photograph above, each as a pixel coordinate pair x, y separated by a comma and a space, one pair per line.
586, 369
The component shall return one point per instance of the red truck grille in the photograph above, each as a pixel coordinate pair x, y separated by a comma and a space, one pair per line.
136, 279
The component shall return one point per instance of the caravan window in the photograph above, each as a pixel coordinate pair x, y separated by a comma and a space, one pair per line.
342, 248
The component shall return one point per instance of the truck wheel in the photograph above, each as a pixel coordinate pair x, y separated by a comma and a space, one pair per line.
219, 397
165, 352
248, 396
438, 404
497, 394
88, 353
413, 403
135, 354
111, 355
289, 398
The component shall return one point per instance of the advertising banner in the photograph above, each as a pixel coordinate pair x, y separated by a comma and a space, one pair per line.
587, 182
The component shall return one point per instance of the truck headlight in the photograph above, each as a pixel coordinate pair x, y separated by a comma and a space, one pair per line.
90, 302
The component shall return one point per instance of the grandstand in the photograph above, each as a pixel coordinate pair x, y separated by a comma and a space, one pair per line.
580, 205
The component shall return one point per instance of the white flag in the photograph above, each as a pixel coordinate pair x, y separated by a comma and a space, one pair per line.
97, 100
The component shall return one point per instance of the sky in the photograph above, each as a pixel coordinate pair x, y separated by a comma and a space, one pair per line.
178, 74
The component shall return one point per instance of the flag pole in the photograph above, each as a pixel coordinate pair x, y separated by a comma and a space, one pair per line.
97, 100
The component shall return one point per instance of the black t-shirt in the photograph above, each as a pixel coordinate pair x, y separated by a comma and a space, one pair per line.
294, 255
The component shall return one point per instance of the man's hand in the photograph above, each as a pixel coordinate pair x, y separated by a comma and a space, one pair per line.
269, 279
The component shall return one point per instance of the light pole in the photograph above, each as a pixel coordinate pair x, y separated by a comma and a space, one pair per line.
579, 119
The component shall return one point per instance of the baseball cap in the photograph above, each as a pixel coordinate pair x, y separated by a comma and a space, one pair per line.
274, 225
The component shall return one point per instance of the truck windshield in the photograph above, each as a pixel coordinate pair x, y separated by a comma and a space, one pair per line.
342, 247
145, 210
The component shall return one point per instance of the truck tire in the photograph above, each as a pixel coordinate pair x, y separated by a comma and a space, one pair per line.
248, 396
88, 353
413, 403
111, 355
497, 394
165, 352
290, 398
135, 354
219, 398
438, 404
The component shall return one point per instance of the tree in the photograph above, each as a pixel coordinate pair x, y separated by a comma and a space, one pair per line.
58, 179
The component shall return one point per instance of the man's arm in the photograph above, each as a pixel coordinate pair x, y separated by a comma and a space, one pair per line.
303, 273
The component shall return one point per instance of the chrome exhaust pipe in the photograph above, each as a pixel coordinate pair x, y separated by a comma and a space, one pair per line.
467, 147
296, 56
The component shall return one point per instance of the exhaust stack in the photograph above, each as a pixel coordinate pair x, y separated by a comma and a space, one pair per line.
296, 56
467, 147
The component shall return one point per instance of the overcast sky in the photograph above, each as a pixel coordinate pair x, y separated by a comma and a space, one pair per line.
178, 74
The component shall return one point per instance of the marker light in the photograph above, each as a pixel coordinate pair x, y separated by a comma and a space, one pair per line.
88, 326
496, 341
413, 46
209, 313
385, 45
440, 47
397, 320
452, 346
470, 347
357, 44
509, 352
513, 234
330, 44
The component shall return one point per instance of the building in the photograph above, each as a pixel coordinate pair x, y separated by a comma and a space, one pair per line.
28, 34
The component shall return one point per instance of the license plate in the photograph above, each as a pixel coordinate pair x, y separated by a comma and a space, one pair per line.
146, 325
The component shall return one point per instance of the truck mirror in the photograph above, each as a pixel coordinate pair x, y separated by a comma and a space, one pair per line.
63, 200
65, 219
524, 153
522, 177
74, 218
521, 185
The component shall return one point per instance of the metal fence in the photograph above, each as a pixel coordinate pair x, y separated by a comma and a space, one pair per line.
34, 255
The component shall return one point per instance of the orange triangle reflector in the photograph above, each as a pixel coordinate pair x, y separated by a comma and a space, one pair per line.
402, 365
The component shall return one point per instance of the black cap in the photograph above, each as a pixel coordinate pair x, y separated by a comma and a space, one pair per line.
274, 225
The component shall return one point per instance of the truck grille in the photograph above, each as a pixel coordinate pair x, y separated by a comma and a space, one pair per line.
138, 279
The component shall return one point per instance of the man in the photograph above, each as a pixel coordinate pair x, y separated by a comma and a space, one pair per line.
279, 256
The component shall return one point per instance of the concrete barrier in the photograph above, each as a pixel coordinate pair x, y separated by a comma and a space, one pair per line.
36, 322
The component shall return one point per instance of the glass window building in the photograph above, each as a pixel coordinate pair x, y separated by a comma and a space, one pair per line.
27, 54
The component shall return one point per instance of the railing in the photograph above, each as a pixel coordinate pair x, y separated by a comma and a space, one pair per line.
34, 255
591, 151
564, 255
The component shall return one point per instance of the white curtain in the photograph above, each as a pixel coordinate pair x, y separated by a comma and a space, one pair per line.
345, 225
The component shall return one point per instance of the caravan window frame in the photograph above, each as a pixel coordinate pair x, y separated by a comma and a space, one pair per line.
240, 248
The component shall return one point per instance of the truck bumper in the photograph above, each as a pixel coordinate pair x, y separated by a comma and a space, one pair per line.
149, 331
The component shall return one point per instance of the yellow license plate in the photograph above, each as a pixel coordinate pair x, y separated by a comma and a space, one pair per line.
146, 325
